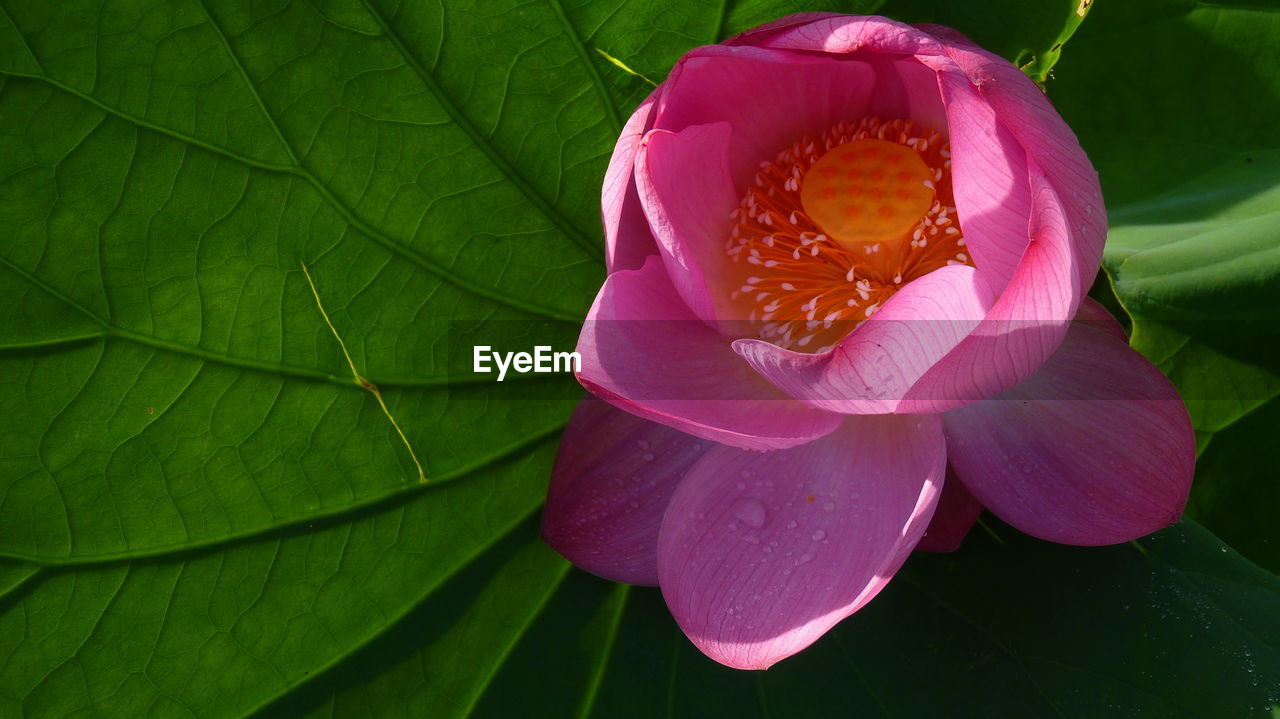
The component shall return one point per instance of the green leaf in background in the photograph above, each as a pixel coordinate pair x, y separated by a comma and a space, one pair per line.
205, 513
1176, 101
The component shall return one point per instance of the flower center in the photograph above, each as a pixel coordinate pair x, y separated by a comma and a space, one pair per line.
867, 190
833, 227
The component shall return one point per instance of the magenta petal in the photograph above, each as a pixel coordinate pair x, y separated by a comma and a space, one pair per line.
847, 34
907, 89
989, 174
1025, 325
613, 477
760, 554
627, 239
769, 98
872, 369
760, 34
687, 194
1095, 448
1051, 147
956, 514
645, 352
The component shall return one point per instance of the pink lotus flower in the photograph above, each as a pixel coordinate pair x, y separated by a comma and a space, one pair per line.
845, 312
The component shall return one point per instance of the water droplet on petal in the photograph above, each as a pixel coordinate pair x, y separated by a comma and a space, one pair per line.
819, 535
750, 511
829, 506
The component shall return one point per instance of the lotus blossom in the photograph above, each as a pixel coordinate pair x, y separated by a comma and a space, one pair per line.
845, 312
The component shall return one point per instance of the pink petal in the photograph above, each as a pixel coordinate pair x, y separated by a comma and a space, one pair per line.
627, 239
687, 194
1025, 325
1049, 143
770, 99
613, 477
760, 554
905, 88
956, 514
848, 34
990, 181
645, 352
872, 369
760, 34
1067, 230
1095, 448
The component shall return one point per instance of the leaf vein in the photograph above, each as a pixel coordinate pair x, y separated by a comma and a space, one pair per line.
483, 142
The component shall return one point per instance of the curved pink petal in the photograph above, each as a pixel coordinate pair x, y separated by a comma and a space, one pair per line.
902, 86
613, 477
990, 181
1095, 448
1023, 328
906, 88
770, 99
627, 239
760, 34
849, 34
871, 370
645, 352
760, 554
1067, 231
956, 514
1051, 147
687, 193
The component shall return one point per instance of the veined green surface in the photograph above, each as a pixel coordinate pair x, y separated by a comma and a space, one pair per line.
203, 513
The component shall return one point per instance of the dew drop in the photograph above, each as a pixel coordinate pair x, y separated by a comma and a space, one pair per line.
829, 506
819, 535
750, 511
